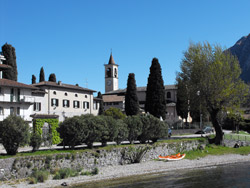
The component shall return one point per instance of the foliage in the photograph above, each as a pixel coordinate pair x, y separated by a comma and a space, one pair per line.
14, 132
131, 99
182, 99
122, 132
10, 54
155, 94
116, 113
39, 123
215, 75
93, 128
33, 80
35, 141
101, 109
134, 128
42, 75
153, 128
39, 176
52, 77
65, 173
72, 131
109, 129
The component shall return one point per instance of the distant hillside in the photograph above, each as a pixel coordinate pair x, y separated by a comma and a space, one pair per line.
241, 49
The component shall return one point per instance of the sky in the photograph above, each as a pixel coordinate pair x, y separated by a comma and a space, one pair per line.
74, 38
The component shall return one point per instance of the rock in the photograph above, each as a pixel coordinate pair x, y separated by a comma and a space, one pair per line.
64, 184
236, 145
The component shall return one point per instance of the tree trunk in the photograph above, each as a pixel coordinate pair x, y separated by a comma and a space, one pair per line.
219, 133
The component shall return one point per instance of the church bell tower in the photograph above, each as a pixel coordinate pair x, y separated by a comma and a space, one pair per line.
111, 75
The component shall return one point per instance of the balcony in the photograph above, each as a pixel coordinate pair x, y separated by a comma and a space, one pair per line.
20, 100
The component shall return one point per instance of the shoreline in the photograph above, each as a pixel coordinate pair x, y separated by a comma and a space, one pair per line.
145, 168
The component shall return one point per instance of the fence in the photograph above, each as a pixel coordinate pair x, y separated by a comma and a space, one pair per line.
237, 137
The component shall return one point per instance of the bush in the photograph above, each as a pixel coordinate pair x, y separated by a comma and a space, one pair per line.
65, 173
14, 132
35, 141
72, 131
134, 128
122, 132
158, 129
39, 176
110, 129
94, 129
116, 113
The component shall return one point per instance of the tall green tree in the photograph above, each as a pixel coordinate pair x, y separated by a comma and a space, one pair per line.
33, 80
42, 75
215, 74
9, 53
101, 108
52, 77
155, 94
131, 99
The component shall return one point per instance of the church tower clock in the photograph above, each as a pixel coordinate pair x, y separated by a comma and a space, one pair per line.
111, 75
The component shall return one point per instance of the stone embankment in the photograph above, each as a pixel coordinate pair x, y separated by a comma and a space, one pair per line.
22, 167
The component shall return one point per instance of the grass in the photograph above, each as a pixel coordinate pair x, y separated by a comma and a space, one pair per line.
240, 137
39, 176
216, 150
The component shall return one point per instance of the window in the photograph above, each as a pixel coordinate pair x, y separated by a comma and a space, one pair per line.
76, 95
66, 94
95, 105
109, 72
11, 110
76, 104
37, 106
86, 96
66, 103
115, 103
168, 95
12, 95
18, 111
54, 92
1, 110
115, 73
85, 105
54, 102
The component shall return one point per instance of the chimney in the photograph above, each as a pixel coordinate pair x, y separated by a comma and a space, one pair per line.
59, 83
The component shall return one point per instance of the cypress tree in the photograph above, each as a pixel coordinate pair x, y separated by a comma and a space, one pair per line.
42, 76
9, 53
52, 77
33, 80
101, 109
131, 99
155, 94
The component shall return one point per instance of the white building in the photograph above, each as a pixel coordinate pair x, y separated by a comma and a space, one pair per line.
64, 100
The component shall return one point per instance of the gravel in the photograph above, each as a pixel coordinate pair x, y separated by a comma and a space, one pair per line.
111, 172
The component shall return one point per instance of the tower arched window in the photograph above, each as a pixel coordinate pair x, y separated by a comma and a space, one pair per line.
109, 72
115, 73
168, 95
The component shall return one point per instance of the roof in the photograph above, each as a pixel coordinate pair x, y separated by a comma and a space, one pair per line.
4, 67
44, 116
111, 60
62, 85
97, 99
12, 83
113, 98
139, 89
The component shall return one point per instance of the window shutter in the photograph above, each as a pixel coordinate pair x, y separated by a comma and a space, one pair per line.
87, 105
56, 102
39, 106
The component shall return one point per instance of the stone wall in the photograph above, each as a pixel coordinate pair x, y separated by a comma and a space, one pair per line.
22, 167
231, 143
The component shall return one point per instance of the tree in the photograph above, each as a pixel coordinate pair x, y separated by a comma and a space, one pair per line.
182, 105
215, 74
101, 109
72, 131
155, 94
116, 113
42, 75
10, 54
14, 132
131, 99
35, 141
122, 134
109, 129
52, 77
134, 127
33, 80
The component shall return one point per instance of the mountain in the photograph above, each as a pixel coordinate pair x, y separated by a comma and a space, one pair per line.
241, 49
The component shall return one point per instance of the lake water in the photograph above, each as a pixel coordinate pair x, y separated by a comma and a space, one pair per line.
233, 175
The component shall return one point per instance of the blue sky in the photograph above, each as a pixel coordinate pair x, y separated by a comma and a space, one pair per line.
73, 39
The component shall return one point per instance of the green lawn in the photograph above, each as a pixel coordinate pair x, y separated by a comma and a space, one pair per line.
217, 150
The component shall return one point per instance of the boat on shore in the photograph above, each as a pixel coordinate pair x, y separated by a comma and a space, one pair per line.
175, 157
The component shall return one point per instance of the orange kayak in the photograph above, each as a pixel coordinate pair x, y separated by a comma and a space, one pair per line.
176, 157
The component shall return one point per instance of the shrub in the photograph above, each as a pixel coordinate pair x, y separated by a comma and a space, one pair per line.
110, 129
65, 173
95, 171
14, 132
158, 129
39, 176
35, 141
122, 132
116, 113
134, 128
72, 131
